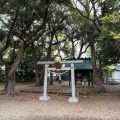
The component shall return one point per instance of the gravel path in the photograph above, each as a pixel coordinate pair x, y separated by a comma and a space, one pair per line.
26, 106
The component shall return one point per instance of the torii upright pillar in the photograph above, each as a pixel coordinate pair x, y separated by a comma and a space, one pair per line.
73, 98
45, 95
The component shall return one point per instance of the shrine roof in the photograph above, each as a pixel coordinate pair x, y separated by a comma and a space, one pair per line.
86, 65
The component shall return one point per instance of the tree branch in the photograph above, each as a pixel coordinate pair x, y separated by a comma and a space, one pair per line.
2, 2
9, 33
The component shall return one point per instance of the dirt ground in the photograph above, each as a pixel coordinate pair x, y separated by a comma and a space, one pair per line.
25, 105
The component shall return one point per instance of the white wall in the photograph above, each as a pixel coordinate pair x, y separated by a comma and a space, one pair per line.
116, 74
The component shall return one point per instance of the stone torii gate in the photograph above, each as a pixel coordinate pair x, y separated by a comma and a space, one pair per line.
72, 62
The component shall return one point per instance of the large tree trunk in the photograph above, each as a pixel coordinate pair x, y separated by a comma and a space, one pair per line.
51, 77
37, 83
96, 79
11, 75
100, 70
42, 76
73, 49
6, 76
48, 57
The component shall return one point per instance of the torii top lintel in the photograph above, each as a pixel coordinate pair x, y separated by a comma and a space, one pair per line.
61, 62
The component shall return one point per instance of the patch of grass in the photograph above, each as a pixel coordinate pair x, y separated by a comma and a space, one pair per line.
24, 83
19, 83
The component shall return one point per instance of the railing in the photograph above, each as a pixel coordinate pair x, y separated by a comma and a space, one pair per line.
112, 81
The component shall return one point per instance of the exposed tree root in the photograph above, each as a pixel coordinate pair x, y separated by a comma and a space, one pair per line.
100, 89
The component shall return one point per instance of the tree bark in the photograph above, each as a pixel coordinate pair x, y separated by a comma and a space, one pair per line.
73, 49
6, 76
42, 76
51, 79
37, 83
96, 79
11, 75
100, 70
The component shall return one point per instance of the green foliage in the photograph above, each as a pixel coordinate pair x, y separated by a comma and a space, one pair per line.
109, 50
109, 68
2, 35
110, 25
108, 45
27, 65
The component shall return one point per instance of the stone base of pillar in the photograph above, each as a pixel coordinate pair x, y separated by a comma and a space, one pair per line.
73, 99
44, 98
